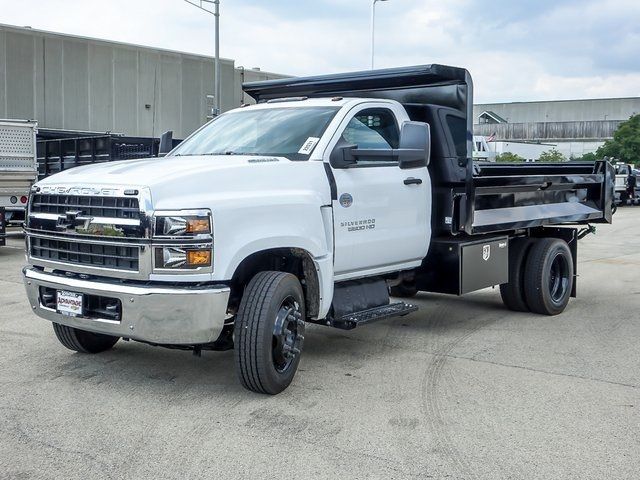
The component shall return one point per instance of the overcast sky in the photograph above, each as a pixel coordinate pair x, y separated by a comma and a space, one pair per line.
515, 49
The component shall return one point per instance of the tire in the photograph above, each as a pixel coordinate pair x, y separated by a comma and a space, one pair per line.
83, 341
548, 279
266, 356
512, 293
404, 290
623, 198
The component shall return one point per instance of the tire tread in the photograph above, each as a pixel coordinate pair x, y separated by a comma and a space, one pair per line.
72, 339
512, 293
258, 294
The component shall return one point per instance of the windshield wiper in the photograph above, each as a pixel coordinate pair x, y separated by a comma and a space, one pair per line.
228, 152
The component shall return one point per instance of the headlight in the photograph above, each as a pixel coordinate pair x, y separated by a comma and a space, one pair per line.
182, 225
183, 240
182, 258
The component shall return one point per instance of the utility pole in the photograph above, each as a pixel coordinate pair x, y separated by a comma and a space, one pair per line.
373, 27
205, 6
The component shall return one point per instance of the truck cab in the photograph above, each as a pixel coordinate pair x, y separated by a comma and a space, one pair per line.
312, 206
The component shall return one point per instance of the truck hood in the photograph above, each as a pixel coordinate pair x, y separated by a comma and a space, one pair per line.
197, 181
153, 171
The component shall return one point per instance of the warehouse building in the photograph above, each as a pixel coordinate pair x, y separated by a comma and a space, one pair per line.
574, 127
77, 83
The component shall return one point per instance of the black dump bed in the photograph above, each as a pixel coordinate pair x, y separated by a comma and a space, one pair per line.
468, 197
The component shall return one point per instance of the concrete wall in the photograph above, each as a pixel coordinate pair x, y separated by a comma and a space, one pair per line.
76, 83
563, 110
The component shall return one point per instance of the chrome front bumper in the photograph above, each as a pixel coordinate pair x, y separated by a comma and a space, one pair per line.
165, 315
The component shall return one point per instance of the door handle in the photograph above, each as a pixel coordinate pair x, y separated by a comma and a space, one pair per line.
411, 181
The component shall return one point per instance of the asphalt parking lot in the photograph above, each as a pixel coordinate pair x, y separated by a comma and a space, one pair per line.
461, 389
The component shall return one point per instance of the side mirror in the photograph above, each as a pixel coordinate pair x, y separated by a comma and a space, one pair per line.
415, 145
166, 143
342, 155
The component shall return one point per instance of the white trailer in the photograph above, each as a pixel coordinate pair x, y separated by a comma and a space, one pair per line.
18, 166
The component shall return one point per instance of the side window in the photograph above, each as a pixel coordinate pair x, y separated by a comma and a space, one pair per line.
458, 129
374, 128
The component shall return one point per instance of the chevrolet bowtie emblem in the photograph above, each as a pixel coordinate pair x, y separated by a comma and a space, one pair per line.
71, 220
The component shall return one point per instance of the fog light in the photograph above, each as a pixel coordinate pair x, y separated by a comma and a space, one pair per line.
23, 199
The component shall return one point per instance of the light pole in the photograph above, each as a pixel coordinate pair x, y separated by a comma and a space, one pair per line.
373, 27
202, 5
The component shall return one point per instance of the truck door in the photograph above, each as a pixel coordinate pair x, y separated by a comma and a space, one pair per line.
382, 213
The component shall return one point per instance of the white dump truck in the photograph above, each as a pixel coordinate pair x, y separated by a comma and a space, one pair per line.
311, 206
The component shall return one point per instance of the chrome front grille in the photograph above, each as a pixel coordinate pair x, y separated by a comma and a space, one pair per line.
71, 251
103, 231
94, 206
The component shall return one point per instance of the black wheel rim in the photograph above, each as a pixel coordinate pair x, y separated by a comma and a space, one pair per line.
288, 332
559, 278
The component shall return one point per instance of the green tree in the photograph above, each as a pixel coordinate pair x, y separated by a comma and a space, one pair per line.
625, 145
508, 157
552, 155
587, 157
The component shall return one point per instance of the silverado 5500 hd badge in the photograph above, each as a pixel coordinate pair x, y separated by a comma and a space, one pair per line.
357, 225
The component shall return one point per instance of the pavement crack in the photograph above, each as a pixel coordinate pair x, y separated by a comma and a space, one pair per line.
560, 374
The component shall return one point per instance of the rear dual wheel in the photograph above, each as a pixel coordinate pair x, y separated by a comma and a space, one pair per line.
512, 293
540, 276
405, 289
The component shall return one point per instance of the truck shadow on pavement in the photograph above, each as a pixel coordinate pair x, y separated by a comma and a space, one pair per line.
138, 367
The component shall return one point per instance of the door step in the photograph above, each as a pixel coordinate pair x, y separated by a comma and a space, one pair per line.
352, 320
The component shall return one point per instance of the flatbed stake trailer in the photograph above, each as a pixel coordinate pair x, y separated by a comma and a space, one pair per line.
18, 167
316, 205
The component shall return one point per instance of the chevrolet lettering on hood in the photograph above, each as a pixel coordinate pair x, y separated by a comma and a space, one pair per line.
62, 190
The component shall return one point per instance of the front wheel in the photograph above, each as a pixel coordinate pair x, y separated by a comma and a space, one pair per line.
269, 332
83, 341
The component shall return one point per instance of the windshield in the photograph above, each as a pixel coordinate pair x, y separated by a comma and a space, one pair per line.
285, 132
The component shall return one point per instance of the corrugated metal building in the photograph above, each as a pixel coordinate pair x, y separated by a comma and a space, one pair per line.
575, 127
562, 110
77, 83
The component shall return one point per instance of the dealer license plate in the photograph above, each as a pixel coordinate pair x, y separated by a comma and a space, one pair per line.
69, 303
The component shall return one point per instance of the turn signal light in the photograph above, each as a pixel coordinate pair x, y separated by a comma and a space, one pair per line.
177, 226
198, 225
199, 258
